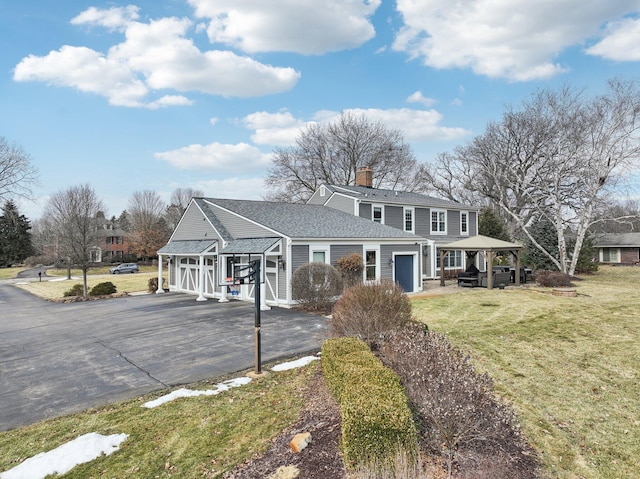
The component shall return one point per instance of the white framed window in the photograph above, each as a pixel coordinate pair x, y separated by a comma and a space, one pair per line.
319, 253
610, 255
452, 260
371, 265
438, 222
464, 223
408, 220
377, 212
323, 191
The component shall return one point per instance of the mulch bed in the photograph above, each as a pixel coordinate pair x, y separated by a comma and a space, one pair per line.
321, 459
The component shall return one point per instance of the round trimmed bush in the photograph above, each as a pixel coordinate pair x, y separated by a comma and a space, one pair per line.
103, 289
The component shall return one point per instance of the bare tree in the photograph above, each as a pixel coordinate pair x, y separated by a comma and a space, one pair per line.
71, 216
149, 230
561, 156
332, 153
17, 173
180, 199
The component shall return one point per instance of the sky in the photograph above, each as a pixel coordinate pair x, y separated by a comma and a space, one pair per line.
159, 95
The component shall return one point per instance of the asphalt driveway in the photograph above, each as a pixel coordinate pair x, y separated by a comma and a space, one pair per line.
57, 359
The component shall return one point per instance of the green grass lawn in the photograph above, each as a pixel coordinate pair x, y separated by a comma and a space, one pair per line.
10, 273
569, 365
187, 438
125, 283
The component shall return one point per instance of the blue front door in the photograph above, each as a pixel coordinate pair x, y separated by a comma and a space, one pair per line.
404, 271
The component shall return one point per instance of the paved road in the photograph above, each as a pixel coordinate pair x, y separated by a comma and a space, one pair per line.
57, 359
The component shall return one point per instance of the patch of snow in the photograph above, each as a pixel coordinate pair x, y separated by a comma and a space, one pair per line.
298, 363
65, 457
183, 392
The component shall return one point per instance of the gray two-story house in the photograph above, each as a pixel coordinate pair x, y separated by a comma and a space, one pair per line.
436, 221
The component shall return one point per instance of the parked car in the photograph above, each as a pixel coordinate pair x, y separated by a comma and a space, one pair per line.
125, 268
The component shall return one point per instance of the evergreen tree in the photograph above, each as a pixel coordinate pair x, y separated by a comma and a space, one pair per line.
15, 236
490, 224
586, 263
545, 234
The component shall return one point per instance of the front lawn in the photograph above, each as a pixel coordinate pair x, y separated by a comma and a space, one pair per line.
569, 365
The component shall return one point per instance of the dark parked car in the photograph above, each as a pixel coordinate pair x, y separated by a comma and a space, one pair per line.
125, 268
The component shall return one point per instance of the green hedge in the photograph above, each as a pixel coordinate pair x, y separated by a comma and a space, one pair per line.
376, 419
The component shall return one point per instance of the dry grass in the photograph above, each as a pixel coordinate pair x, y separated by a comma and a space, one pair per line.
54, 289
570, 365
10, 273
187, 438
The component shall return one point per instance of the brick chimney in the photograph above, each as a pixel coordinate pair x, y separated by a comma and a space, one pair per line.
364, 177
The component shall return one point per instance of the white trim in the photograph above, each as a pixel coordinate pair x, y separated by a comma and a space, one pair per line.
406, 209
378, 268
466, 213
431, 212
417, 282
373, 207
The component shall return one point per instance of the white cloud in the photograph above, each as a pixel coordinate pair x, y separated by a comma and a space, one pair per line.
154, 56
301, 26
282, 128
276, 129
115, 18
234, 188
515, 39
219, 157
418, 97
415, 125
620, 42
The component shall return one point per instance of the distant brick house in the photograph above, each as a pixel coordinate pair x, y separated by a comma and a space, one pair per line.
617, 248
112, 244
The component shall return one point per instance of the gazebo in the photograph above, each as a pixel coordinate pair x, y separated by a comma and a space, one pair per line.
489, 246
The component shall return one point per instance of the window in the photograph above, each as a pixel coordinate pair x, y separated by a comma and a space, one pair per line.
370, 265
453, 260
377, 214
438, 222
323, 191
408, 220
464, 223
319, 257
610, 255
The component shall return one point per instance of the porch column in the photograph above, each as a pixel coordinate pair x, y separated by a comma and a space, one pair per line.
201, 279
490, 270
160, 289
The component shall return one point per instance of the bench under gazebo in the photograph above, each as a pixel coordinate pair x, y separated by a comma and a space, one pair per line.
488, 246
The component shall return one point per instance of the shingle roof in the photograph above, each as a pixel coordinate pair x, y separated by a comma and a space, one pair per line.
631, 240
219, 227
309, 221
249, 245
396, 196
187, 247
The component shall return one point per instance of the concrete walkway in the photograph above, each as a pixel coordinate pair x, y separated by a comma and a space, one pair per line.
57, 359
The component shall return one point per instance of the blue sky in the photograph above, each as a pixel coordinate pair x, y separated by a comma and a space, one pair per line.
197, 93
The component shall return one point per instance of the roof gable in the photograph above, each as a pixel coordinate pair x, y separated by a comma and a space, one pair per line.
408, 198
296, 220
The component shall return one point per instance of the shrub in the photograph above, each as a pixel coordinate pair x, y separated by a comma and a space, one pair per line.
315, 286
103, 289
75, 290
43, 260
365, 311
351, 268
553, 279
459, 416
376, 419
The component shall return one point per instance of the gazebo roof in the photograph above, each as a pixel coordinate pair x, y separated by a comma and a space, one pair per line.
482, 243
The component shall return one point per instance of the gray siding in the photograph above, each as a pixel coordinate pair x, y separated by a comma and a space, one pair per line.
423, 222
453, 223
316, 199
194, 226
299, 256
473, 230
340, 251
342, 203
365, 210
240, 227
394, 217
